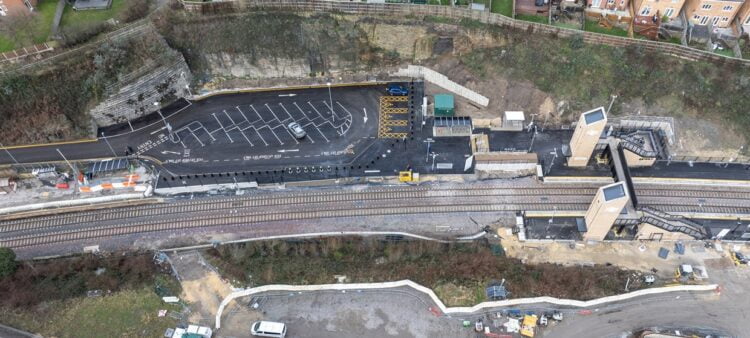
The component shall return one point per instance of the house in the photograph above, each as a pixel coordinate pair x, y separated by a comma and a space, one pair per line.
615, 11
716, 13
16, 7
669, 9
743, 19
658, 17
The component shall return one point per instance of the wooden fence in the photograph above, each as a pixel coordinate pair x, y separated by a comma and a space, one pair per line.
390, 9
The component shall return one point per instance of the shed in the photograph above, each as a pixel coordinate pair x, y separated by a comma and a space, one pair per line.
451, 126
444, 105
513, 120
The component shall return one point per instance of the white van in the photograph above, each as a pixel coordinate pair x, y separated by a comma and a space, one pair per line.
268, 329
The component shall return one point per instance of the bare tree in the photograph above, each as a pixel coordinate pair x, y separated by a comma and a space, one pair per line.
18, 28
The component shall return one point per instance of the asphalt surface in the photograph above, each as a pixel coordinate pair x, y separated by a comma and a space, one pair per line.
726, 313
244, 137
403, 312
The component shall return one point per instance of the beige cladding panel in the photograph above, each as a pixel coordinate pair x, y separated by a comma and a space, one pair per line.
634, 160
584, 141
602, 215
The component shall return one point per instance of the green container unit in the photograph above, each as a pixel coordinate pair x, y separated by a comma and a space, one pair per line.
444, 105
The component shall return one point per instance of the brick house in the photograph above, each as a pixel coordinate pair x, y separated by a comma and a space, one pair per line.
16, 7
716, 13
661, 8
613, 10
743, 18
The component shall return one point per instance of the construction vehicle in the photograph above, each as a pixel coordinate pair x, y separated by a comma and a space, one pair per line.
528, 327
684, 273
408, 176
739, 258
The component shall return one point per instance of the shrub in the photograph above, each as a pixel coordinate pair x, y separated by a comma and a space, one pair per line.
134, 10
8, 262
80, 33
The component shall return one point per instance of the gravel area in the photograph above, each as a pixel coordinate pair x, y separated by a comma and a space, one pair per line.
397, 312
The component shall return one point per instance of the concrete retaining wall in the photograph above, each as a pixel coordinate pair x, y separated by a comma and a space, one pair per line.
442, 81
69, 203
458, 310
135, 98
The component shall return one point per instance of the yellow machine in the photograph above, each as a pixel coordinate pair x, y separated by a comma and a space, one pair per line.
684, 273
408, 176
529, 325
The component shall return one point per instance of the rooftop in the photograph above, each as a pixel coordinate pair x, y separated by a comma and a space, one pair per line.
593, 116
443, 101
614, 192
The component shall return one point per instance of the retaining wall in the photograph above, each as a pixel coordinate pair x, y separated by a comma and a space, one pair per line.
443, 81
458, 310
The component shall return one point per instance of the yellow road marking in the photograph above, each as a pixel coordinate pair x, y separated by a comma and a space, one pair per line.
50, 144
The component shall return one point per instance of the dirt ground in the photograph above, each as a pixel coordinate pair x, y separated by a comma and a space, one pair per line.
635, 255
202, 287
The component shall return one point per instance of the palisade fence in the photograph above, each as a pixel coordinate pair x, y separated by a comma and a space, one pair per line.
390, 9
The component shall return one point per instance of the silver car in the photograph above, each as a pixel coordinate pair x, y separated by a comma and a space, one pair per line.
296, 130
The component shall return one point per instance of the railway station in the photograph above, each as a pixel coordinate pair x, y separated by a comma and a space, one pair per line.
368, 134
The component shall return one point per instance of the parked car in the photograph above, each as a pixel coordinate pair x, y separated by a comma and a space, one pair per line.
268, 329
296, 130
397, 90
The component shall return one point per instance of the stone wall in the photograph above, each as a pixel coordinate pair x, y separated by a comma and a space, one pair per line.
134, 96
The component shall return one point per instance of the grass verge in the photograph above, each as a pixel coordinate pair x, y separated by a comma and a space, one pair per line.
504, 7
533, 18
459, 272
593, 26
129, 313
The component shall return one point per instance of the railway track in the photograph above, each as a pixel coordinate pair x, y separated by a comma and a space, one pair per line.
321, 204
334, 196
234, 220
215, 205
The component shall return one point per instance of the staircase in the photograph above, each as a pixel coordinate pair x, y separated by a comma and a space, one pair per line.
672, 223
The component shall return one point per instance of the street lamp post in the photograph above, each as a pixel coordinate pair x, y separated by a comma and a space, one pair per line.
187, 86
109, 145
611, 103
11, 156
554, 210
166, 124
427, 156
330, 98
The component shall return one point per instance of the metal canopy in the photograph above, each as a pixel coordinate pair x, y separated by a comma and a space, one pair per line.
108, 165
